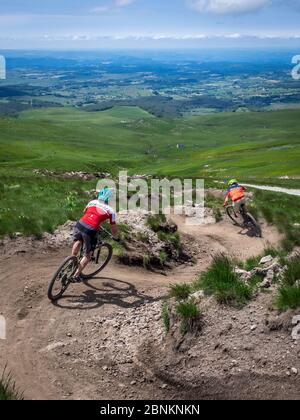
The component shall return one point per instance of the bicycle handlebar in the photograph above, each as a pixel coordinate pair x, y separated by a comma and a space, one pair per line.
109, 234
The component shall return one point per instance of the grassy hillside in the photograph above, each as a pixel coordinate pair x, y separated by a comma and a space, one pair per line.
219, 145
260, 146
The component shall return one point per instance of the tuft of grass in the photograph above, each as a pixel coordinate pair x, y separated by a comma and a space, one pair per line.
287, 245
289, 291
267, 214
172, 238
163, 258
254, 280
188, 310
8, 389
146, 260
142, 237
288, 298
218, 215
214, 203
292, 271
2, 189
283, 211
180, 291
221, 281
189, 313
158, 223
253, 262
166, 317
155, 222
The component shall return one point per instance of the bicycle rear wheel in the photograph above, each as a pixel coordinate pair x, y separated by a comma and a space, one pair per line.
236, 218
101, 257
251, 221
62, 278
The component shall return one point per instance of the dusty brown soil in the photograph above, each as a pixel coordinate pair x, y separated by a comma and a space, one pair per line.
105, 339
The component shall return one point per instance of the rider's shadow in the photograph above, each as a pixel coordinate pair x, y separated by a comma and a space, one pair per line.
248, 232
111, 291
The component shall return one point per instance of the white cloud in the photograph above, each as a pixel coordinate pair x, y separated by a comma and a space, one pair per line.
107, 8
234, 36
100, 9
228, 6
122, 3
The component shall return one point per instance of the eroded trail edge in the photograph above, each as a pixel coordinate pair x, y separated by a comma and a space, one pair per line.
105, 339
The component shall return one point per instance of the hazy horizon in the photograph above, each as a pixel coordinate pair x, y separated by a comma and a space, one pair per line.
143, 24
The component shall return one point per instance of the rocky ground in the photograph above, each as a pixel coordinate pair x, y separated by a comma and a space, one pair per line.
106, 340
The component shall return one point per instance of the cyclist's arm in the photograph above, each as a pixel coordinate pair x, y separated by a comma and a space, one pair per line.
226, 199
113, 224
115, 231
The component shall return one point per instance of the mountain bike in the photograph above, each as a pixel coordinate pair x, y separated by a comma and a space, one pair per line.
244, 219
63, 277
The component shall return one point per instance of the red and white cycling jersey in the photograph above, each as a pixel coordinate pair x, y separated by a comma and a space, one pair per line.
97, 213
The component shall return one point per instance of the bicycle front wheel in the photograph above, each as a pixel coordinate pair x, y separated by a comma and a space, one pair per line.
62, 278
101, 257
236, 218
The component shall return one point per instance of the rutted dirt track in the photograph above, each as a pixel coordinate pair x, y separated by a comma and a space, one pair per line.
66, 351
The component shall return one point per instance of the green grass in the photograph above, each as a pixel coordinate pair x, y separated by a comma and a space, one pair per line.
33, 204
221, 281
189, 314
147, 261
253, 262
163, 258
215, 204
156, 222
283, 211
8, 389
289, 291
292, 271
172, 238
219, 146
180, 291
187, 310
288, 298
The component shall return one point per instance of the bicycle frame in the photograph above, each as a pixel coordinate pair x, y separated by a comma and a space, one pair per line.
106, 231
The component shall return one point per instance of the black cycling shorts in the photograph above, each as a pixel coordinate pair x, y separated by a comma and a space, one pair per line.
87, 236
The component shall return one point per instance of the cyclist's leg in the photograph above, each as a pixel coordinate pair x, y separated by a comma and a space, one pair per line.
76, 248
78, 240
83, 263
240, 207
243, 211
90, 242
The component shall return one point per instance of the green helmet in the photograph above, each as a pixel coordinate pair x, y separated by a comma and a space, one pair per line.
232, 181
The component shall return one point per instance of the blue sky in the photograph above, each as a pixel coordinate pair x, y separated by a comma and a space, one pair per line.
148, 23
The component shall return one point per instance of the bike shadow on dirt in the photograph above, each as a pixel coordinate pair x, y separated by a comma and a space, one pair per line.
110, 291
251, 233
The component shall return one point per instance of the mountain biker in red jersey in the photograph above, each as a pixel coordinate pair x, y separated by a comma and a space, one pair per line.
86, 230
236, 194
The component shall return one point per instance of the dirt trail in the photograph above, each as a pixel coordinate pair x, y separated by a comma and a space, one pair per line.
44, 346
289, 191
